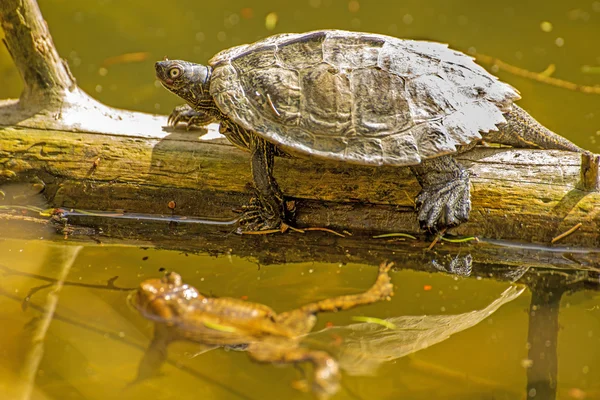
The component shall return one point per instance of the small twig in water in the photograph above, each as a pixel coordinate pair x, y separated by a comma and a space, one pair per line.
324, 230
536, 76
461, 240
567, 233
265, 232
389, 235
285, 227
437, 238
110, 284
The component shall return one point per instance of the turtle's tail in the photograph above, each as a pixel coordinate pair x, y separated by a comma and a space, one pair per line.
522, 130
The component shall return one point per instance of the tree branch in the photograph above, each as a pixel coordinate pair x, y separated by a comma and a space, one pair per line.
45, 74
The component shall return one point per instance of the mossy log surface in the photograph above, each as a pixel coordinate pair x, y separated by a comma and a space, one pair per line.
523, 195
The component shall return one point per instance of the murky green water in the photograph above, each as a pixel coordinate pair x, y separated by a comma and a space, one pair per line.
528, 34
456, 337
473, 342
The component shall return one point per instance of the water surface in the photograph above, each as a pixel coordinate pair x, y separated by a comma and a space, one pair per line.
533, 35
481, 341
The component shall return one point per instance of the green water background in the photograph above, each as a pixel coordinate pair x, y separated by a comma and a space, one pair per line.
94, 351
529, 34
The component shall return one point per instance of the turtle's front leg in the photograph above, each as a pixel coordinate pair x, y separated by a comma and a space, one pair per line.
187, 115
269, 211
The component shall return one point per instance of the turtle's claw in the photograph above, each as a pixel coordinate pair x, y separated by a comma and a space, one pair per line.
182, 113
257, 221
254, 218
188, 116
444, 205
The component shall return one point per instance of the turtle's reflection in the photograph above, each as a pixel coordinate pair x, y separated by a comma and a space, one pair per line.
360, 349
180, 312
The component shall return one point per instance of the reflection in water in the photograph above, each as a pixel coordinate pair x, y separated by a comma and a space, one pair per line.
64, 257
367, 346
542, 339
110, 283
180, 312
458, 265
92, 302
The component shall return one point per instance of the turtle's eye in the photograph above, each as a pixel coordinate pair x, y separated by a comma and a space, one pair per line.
174, 72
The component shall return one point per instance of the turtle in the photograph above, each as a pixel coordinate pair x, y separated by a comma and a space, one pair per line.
359, 98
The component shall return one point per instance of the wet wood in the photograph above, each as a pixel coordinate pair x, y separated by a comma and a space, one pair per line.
487, 258
524, 195
590, 172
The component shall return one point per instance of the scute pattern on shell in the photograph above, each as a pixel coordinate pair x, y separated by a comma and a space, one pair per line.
360, 98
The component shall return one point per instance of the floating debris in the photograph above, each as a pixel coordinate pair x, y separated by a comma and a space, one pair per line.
548, 71
247, 13
501, 65
437, 238
460, 240
265, 232
588, 69
389, 235
546, 26
567, 233
378, 321
271, 21
126, 58
324, 230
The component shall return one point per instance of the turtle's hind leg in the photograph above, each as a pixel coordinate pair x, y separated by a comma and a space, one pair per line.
445, 198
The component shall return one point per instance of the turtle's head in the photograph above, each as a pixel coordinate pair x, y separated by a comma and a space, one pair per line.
185, 79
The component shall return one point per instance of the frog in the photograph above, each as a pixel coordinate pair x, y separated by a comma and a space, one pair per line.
180, 312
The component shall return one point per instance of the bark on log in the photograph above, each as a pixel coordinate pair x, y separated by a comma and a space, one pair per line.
524, 195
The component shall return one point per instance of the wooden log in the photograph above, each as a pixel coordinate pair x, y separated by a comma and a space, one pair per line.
524, 195
85, 155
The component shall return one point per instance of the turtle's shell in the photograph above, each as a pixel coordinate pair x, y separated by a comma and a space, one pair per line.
357, 97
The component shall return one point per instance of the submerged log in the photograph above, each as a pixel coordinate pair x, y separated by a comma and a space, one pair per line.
82, 154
